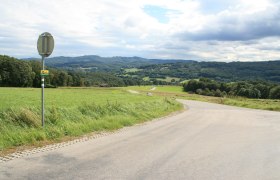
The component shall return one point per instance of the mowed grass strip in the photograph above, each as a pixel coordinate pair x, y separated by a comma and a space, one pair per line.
72, 112
177, 92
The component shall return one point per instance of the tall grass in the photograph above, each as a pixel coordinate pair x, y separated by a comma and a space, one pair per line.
21, 126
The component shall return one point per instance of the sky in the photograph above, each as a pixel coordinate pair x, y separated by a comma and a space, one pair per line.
203, 30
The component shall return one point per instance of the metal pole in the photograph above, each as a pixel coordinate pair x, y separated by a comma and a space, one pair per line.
43, 85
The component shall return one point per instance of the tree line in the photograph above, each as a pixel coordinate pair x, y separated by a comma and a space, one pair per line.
249, 89
18, 73
219, 71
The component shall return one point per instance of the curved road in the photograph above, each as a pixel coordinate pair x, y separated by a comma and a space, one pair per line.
208, 141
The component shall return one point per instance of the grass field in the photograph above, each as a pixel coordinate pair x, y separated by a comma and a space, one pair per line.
132, 70
158, 89
177, 92
72, 112
167, 79
64, 97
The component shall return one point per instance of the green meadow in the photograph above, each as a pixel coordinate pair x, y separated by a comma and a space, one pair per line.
72, 112
132, 70
157, 89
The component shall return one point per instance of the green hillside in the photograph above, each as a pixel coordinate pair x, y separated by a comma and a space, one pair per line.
220, 71
157, 70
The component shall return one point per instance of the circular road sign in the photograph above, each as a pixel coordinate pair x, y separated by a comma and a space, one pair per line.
45, 44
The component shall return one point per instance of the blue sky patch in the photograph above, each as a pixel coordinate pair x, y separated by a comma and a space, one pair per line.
216, 6
158, 12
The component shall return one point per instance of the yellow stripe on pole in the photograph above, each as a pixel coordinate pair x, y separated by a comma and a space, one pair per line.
44, 72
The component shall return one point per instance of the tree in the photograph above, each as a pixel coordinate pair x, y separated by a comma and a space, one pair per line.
249, 89
192, 86
218, 93
36, 68
264, 90
199, 91
15, 73
275, 92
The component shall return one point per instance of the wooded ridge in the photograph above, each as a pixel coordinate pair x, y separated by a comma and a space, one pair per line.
122, 71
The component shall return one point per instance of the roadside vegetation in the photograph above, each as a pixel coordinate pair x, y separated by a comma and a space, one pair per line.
178, 93
72, 112
249, 89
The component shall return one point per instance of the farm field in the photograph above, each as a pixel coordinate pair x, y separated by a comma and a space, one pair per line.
177, 92
157, 89
167, 79
65, 97
72, 112
132, 70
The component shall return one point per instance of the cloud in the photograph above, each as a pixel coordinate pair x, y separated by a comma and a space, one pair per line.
187, 29
238, 24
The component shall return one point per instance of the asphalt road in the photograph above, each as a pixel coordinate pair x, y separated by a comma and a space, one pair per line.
208, 141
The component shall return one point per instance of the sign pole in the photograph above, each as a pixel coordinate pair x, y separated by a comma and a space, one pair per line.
45, 45
43, 86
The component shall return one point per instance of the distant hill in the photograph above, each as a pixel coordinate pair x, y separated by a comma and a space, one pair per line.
220, 71
103, 64
171, 70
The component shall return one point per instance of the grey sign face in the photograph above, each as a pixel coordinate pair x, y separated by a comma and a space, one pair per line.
45, 44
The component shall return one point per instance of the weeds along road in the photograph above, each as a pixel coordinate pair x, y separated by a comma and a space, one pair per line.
208, 141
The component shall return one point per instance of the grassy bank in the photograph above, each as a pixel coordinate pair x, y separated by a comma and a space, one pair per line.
72, 112
177, 92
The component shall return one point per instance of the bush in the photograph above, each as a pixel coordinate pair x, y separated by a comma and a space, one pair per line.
199, 91
218, 93
275, 93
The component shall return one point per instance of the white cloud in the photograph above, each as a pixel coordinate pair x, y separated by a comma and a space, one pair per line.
111, 28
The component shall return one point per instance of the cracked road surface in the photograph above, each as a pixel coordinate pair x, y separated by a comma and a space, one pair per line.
208, 141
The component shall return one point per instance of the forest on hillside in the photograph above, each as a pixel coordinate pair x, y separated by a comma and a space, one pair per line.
219, 71
252, 80
168, 71
94, 63
18, 73
159, 71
